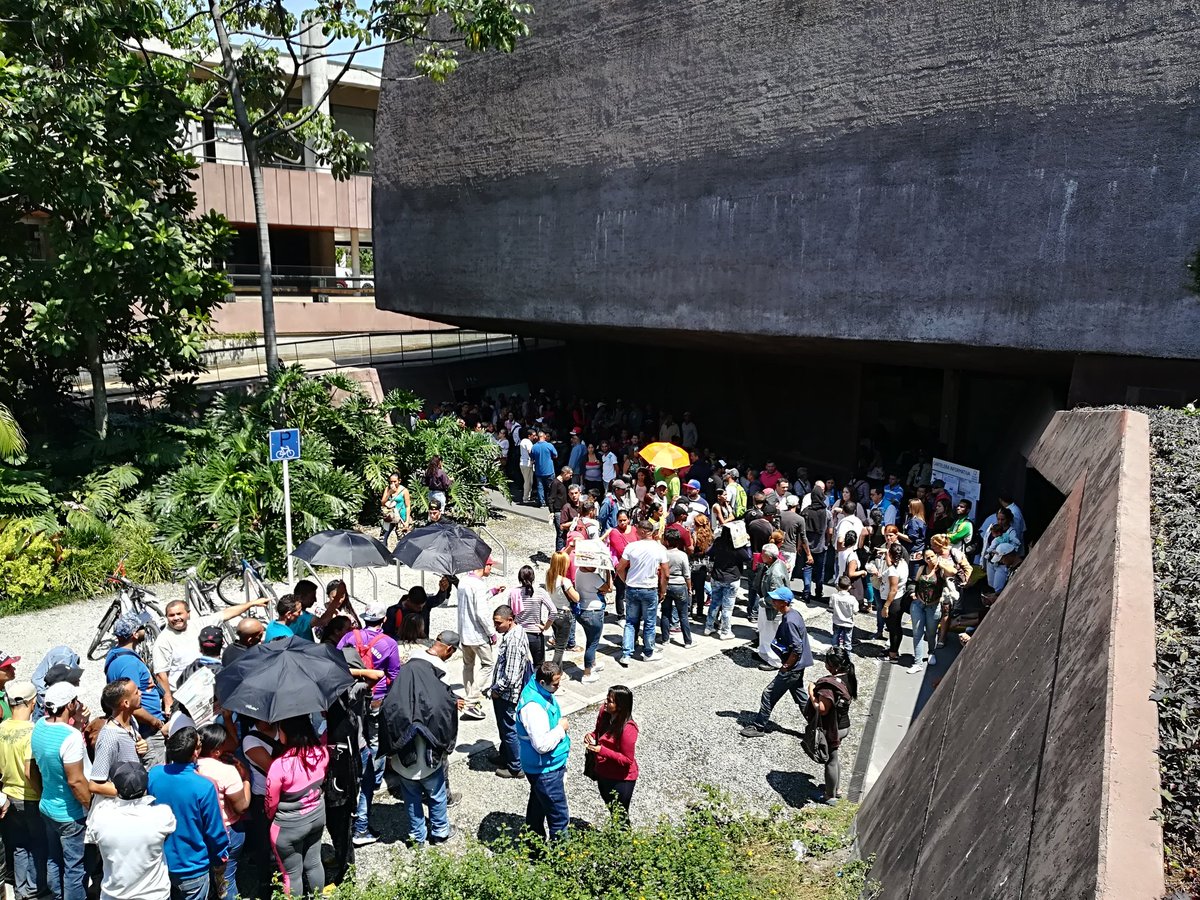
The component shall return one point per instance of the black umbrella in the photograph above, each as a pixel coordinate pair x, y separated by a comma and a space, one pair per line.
341, 549
444, 548
283, 678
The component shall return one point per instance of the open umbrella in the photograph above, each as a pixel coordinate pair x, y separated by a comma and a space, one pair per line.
662, 455
442, 547
283, 678
342, 549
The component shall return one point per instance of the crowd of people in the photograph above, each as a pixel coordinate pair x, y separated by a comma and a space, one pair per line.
167, 793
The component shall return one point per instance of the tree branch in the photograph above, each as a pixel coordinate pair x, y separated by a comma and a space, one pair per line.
204, 12
282, 101
316, 104
183, 59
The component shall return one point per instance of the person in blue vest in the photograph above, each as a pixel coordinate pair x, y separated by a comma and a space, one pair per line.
542, 733
123, 661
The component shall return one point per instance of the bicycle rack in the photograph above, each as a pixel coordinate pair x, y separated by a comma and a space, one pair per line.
320, 582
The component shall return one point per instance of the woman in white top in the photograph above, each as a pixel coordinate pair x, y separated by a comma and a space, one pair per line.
562, 592
679, 590
895, 578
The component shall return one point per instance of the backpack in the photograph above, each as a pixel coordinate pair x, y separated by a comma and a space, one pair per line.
814, 743
739, 500
364, 652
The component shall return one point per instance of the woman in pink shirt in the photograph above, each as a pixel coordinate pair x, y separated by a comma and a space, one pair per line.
296, 807
232, 782
617, 539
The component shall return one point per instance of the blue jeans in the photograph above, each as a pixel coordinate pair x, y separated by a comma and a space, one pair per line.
543, 488
817, 567
547, 803
925, 628
431, 788
641, 608
237, 840
194, 888
506, 724
26, 837
64, 859
366, 792
722, 602
675, 609
593, 627
842, 635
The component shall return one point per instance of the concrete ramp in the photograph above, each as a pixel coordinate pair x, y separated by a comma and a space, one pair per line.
1032, 772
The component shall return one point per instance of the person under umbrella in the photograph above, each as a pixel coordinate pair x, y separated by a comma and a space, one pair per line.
284, 678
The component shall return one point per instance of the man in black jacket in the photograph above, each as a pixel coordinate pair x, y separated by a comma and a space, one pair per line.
420, 729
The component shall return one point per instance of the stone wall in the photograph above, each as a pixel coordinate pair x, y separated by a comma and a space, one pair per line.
1032, 772
989, 174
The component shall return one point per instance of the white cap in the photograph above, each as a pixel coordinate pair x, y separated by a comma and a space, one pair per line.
59, 696
793, 500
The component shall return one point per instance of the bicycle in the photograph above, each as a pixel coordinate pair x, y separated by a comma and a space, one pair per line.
199, 595
130, 597
245, 581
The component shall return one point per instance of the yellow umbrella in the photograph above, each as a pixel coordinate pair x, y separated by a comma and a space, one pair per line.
662, 455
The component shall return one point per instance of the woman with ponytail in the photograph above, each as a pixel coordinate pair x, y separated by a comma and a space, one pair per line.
534, 611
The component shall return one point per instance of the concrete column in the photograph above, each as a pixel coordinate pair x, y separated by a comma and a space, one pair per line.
951, 385
316, 75
355, 262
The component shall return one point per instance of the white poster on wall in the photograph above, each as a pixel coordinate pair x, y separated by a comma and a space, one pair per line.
961, 481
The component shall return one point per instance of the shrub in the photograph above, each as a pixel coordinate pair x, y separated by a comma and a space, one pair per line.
714, 853
28, 559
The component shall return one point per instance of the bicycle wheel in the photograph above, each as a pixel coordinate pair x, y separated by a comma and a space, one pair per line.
264, 589
230, 588
103, 641
145, 649
200, 602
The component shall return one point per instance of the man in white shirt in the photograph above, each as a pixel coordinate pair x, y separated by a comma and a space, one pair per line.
478, 636
526, 445
129, 831
850, 523
178, 646
643, 568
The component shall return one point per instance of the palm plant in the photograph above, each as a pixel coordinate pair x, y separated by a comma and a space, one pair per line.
23, 493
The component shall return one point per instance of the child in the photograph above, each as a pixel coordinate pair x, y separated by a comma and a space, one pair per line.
843, 605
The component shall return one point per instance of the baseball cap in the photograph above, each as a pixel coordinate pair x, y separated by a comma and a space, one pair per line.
793, 500
435, 504
373, 613
129, 779
619, 483
693, 483
733, 473
127, 626
61, 672
211, 638
20, 691
449, 638
59, 696
783, 592
7, 659
660, 484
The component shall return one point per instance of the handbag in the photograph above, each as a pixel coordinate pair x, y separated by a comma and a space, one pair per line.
814, 743
589, 765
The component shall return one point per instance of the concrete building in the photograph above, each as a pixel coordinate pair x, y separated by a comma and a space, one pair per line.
939, 221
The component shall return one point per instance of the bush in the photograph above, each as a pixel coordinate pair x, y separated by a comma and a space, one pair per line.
1175, 485
28, 560
713, 853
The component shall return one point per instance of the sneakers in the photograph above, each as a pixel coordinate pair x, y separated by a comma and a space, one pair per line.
675, 629
620, 620
453, 798
475, 713
623, 662
362, 840
933, 660
590, 679
690, 646
724, 635
752, 731
708, 630
448, 836
503, 772
766, 667
915, 668
598, 666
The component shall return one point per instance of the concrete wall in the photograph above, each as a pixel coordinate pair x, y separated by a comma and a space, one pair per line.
343, 316
1032, 773
982, 172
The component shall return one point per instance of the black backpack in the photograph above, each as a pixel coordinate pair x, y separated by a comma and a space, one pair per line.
814, 743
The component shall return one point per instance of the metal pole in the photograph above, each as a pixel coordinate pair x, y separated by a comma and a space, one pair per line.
287, 521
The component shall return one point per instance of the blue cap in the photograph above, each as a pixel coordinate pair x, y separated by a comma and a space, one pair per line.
783, 592
128, 625
694, 484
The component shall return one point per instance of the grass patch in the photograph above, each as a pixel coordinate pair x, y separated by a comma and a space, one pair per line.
715, 852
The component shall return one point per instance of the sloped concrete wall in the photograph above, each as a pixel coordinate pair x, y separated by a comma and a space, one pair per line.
1032, 773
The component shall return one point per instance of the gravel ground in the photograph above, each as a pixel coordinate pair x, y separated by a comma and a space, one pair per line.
689, 720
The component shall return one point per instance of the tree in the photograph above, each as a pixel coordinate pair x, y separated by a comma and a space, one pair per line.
248, 88
91, 139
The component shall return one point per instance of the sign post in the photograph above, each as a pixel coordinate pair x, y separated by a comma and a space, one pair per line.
285, 446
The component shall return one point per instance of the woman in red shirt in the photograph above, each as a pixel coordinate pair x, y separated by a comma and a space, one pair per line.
613, 742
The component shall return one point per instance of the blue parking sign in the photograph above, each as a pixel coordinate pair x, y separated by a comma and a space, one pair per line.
285, 444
